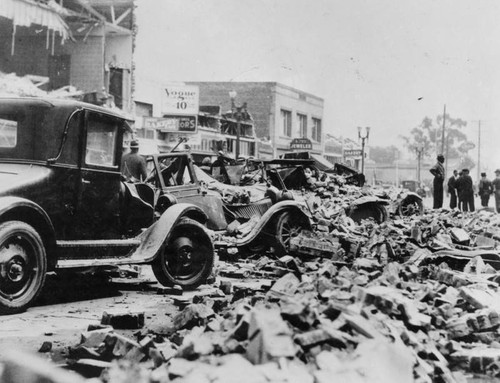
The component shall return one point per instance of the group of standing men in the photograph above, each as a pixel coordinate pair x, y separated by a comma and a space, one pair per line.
461, 188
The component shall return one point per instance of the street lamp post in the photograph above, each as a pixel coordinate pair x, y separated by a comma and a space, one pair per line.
237, 112
363, 134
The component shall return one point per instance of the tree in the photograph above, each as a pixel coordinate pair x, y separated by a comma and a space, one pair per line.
383, 154
429, 136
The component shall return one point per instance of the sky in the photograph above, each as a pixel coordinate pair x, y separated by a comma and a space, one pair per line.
383, 64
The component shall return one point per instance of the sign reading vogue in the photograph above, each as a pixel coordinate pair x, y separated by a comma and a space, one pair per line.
185, 124
180, 100
301, 144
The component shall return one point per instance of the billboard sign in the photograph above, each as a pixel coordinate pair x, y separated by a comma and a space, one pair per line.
183, 124
178, 99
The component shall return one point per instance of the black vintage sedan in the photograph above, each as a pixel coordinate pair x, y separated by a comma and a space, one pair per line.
63, 203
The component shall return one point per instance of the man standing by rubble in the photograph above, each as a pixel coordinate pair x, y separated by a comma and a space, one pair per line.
467, 191
485, 190
496, 188
438, 172
452, 189
133, 164
459, 186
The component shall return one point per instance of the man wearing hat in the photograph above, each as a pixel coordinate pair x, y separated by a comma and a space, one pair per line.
467, 191
485, 190
496, 188
133, 164
438, 172
452, 189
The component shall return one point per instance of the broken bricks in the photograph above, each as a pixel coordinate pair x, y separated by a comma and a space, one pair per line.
269, 337
123, 320
390, 310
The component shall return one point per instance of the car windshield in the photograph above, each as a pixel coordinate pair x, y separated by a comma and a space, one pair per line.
174, 171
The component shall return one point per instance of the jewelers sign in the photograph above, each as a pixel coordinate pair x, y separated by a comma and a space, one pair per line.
178, 99
301, 144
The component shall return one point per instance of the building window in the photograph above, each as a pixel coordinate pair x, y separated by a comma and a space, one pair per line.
316, 129
302, 121
286, 121
204, 145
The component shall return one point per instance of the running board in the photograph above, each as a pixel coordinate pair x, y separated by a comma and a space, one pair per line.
96, 253
81, 263
99, 243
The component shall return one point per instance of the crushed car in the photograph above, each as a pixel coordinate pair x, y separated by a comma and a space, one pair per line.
249, 218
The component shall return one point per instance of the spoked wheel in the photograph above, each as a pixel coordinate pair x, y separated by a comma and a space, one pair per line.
288, 225
23, 266
410, 206
188, 257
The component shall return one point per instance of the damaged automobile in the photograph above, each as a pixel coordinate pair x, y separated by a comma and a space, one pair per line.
65, 206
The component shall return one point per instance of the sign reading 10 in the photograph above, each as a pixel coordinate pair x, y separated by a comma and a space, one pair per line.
181, 105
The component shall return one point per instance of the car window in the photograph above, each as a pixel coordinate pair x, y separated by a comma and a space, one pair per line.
8, 132
101, 142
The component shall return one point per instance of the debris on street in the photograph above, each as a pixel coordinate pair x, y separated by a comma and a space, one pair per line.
412, 299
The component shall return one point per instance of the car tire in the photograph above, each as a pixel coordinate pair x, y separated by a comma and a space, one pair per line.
24, 261
287, 226
368, 210
410, 206
187, 258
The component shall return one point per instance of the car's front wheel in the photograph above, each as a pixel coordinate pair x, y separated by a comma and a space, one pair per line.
288, 226
187, 258
410, 206
23, 266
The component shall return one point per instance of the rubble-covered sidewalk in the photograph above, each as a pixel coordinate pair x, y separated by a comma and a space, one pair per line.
412, 299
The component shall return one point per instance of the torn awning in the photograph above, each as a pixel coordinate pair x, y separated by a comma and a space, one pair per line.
25, 13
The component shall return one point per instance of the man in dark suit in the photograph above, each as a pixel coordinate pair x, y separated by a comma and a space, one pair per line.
438, 172
467, 190
485, 190
133, 164
452, 189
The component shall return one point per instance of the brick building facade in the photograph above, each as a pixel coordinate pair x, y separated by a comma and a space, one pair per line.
280, 113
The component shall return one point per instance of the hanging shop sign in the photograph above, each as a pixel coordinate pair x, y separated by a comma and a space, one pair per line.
185, 124
183, 100
301, 144
349, 153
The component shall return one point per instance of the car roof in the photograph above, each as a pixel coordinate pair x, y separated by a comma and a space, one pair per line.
65, 103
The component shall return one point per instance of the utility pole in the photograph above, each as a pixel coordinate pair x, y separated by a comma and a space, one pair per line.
442, 136
479, 151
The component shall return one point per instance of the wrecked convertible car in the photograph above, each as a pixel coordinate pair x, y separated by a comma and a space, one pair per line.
250, 218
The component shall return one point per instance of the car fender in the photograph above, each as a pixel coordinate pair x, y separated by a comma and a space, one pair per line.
402, 196
369, 199
152, 239
21, 209
271, 214
369, 202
